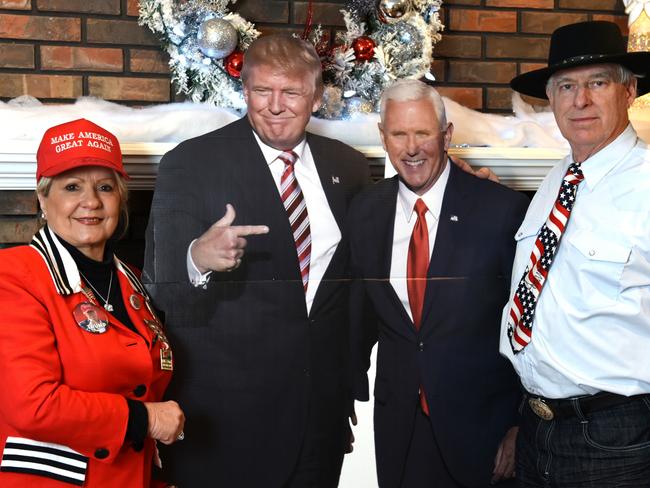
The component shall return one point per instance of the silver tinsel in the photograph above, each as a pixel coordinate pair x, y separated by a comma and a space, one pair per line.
217, 38
402, 41
367, 81
361, 8
429, 11
357, 106
333, 104
199, 8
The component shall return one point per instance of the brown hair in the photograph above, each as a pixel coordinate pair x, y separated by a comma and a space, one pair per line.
286, 53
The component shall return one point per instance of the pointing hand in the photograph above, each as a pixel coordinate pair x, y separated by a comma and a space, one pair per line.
221, 247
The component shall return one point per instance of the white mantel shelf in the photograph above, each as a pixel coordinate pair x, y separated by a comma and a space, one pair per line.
519, 168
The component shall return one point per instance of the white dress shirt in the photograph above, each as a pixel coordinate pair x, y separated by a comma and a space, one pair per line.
405, 219
325, 233
591, 329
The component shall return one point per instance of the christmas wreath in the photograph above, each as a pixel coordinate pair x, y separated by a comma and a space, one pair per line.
384, 40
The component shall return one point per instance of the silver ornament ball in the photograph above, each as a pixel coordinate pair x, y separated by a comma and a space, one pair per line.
217, 38
393, 10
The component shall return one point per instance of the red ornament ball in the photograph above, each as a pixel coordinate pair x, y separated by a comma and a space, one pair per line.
233, 63
364, 48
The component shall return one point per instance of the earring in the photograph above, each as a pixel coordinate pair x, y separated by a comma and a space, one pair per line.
43, 216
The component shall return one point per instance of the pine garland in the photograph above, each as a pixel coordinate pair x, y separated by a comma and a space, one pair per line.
201, 78
403, 49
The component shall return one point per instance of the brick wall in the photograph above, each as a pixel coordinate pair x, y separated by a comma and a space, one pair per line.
17, 217
58, 50
488, 42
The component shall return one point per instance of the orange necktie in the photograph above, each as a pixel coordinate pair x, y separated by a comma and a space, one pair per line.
417, 265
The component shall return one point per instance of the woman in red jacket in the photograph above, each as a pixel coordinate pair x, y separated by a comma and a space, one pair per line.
84, 360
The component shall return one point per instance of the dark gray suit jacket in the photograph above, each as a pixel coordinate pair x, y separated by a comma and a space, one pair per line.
252, 367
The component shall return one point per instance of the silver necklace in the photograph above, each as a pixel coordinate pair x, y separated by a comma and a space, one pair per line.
107, 306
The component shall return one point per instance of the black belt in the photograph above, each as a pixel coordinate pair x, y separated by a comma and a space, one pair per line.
551, 408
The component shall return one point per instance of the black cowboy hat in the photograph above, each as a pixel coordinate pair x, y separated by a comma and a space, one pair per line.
582, 44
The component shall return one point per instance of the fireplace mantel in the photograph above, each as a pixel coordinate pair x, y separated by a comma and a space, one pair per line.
519, 168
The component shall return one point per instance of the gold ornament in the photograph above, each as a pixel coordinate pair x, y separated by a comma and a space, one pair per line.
390, 11
357, 106
639, 37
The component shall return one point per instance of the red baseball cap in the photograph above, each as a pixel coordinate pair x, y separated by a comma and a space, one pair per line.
75, 144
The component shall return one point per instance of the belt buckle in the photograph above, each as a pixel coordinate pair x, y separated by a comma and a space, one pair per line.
541, 408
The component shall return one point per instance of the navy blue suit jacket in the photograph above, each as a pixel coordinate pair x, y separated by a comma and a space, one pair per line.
472, 391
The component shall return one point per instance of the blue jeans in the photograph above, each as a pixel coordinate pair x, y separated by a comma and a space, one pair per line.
607, 448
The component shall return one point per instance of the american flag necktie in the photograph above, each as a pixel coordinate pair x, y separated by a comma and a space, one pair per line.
417, 266
294, 203
520, 317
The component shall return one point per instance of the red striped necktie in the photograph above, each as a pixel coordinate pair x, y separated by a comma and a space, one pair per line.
417, 266
520, 317
294, 203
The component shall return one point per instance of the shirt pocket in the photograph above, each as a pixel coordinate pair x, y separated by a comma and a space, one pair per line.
600, 264
527, 230
525, 238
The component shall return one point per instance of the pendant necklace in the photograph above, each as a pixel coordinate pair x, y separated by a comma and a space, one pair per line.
107, 305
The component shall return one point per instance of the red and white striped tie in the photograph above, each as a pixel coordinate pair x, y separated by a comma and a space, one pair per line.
520, 317
294, 203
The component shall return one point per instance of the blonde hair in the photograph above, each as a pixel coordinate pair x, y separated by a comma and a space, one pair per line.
44, 185
286, 53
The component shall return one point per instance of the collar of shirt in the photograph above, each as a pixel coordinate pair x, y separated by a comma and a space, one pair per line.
597, 166
271, 154
432, 198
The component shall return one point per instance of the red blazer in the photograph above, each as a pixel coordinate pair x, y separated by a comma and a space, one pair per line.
63, 390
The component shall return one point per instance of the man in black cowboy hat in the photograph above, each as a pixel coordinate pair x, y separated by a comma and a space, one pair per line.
577, 326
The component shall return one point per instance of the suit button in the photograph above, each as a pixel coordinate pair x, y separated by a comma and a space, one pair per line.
312, 321
305, 372
140, 390
101, 453
420, 346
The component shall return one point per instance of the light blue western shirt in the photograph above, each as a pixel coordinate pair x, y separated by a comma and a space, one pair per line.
591, 329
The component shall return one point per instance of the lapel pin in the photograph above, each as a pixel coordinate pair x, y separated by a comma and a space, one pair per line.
454, 218
135, 302
91, 318
335, 180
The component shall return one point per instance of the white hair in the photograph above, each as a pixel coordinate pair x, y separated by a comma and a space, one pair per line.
411, 90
